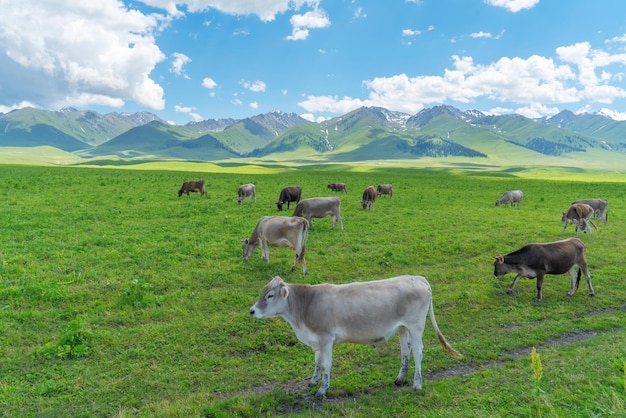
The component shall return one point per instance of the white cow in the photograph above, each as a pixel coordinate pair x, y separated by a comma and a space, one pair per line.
278, 231
320, 207
600, 207
359, 312
246, 190
512, 197
579, 214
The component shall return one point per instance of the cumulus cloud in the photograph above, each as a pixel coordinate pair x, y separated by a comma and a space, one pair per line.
208, 83
179, 61
513, 5
190, 111
536, 84
257, 86
315, 19
73, 52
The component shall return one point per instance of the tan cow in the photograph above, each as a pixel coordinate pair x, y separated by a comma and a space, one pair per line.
193, 186
246, 190
359, 312
536, 260
369, 197
278, 231
385, 189
579, 214
600, 207
320, 207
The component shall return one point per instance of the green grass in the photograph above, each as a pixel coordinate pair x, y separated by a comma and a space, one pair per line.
117, 298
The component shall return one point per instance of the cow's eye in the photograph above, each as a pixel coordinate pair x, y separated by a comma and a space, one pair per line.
270, 295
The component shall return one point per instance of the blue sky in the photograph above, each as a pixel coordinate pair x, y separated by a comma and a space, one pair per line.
191, 60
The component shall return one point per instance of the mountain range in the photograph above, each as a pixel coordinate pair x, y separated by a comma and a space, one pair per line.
368, 133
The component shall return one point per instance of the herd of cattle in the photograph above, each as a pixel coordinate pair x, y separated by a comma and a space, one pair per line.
371, 312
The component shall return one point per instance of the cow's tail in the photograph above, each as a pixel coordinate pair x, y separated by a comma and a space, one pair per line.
305, 236
594, 225
578, 278
442, 339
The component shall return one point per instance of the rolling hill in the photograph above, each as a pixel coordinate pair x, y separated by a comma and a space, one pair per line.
368, 133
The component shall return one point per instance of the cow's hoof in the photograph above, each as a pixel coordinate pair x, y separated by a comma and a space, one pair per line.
591, 295
398, 382
320, 395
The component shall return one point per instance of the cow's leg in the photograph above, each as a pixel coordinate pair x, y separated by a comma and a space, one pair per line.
539, 285
515, 280
417, 347
585, 269
405, 355
574, 277
318, 370
324, 361
265, 251
338, 218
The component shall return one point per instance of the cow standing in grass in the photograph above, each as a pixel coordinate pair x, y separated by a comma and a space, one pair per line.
320, 207
369, 197
246, 191
385, 189
512, 197
196, 186
600, 207
579, 214
287, 195
338, 187
536, 260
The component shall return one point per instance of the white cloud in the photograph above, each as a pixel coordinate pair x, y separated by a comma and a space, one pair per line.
208, 83
69, 52
535, 84
179, 61
315, 19
410, 32
513, 5
254, 105
257, 86
480, 34
190, 111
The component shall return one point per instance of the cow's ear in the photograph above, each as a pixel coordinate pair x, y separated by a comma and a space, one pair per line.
284, 292
246, 241
500, 258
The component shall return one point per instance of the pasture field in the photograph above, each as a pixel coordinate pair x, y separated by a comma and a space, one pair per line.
119, 299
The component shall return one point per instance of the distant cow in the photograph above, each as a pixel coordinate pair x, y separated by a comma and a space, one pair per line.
536, 260
369, 197
512, 197
360, 312
385, 189
278, 231
320, 207
579, 214
196, 186
287, 195
338, 187
600, 207
246, 190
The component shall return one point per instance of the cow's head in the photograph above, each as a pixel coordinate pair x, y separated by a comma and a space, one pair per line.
498, 202
273, 300
180, 192
364, 204
500, 268
279, 205
248, 249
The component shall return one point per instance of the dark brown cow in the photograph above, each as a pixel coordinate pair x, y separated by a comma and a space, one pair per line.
196, 186
579, 214
338, 187
287, 195
385, 189
369, 197
536, 260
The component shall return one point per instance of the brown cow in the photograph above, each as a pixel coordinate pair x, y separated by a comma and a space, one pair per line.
385, 189
579, 214
338, 187
193, 186
369, 197
600, 207
287, 195
536, 260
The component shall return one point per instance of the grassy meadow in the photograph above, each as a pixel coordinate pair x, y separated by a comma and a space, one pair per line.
120, 299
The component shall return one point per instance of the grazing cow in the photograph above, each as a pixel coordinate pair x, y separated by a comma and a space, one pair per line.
278, 231
600, 207
320, 207
385, 189
369, 197
193, 186
287, 195
360, 312
338, 187
246, 190
536, 260
512, 197
579, 214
